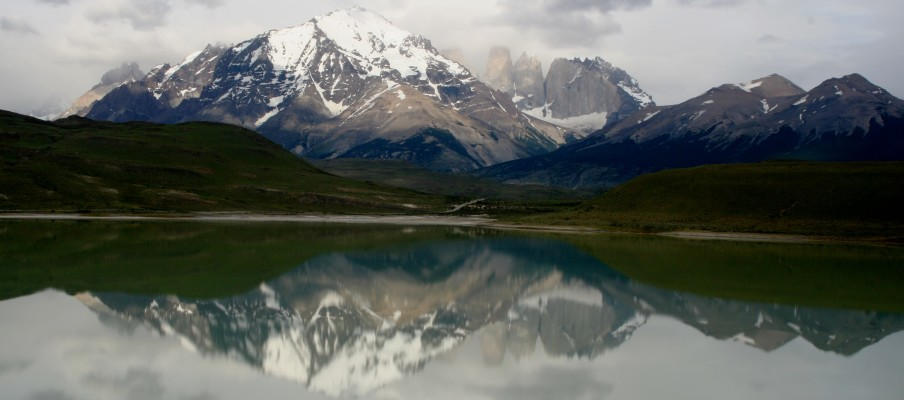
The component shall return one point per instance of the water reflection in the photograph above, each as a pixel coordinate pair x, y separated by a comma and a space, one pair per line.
359, 323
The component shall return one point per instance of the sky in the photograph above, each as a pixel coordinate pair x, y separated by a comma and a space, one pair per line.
54, 50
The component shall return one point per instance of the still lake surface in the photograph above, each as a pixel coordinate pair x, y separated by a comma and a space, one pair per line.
244, 311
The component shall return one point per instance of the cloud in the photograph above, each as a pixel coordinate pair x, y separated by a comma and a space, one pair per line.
13, 366
142, 15
17, 26
768, 38
49, 395
54, 2
712, 3
603, 6
207, 3
567, 22
200, 396
137, 383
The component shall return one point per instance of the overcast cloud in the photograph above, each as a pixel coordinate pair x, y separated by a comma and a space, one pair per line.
56, 49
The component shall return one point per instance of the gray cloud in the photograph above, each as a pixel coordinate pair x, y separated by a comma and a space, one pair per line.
200, 396
602, 6
712, 3
49, 395
122, 73
136, 384
141, 14
207, 3
571, 22
768, 38
551, 383
54, 2
12, 366
17, 26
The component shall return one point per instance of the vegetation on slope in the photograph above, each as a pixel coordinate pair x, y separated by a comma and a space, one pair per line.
81, 165
406, 175
820, 198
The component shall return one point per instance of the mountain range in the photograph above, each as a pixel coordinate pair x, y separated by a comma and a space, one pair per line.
842, 119
347, 84
581, 94
352, 85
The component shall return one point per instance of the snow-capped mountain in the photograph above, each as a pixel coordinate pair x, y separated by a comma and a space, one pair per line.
110, 80
842, 119
580, 94
348, 323
347, 84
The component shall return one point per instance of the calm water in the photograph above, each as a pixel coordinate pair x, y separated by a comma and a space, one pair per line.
439, 313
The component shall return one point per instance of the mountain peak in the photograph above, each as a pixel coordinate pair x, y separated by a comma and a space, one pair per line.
854, 86
356, 13
858, 81
771, 86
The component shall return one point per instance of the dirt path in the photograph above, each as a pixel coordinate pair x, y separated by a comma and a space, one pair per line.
463, 205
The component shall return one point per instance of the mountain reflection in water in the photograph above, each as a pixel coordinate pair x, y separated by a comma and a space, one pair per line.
346, 324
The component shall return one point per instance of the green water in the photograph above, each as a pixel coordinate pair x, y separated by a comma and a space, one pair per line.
160, 310
205, 260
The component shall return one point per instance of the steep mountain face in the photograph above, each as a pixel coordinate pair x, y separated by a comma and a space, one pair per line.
585, 94
582, 95
347, 84
529, 90
112, 79
499, 70
842, 119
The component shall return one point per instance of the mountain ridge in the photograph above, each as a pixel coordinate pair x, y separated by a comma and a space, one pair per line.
841, 119
337, 82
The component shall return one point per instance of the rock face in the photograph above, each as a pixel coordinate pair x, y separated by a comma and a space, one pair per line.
585, 94
110, 80
582, 95
499, 70
347, 84
529, 90
842, 119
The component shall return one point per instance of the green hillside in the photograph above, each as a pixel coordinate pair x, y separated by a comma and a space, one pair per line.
406, 175
834, 199
81, 165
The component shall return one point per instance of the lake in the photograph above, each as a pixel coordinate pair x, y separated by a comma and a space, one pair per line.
188, 310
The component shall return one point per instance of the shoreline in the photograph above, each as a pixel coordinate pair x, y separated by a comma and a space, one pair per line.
419, 220
437, 220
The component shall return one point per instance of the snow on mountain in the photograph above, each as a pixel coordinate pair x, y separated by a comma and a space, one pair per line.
582, 95
346, 84
842, 119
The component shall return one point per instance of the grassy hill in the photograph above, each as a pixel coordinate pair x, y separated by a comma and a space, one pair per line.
835, 199
406, 175
81, 165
